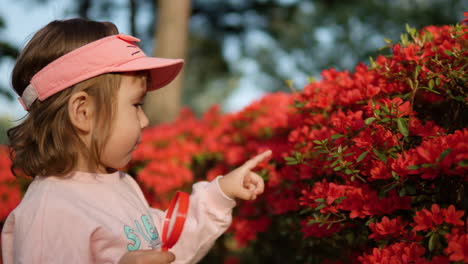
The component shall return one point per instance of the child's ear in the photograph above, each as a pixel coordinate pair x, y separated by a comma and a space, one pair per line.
81, 111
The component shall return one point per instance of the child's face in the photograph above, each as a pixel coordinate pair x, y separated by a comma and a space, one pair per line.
129, 120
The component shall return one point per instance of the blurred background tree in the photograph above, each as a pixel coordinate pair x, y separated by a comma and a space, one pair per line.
255, 45
7, 52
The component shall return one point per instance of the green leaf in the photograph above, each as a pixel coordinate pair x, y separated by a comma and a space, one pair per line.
289, 83
339, 200
432, 91
336, 136
433, 241
416, 72
448, 52
372, 62
362, 156
380, 155
369, 120
371, 220
431, 84
306, 211
320, 207
334, 163
404, 39
320, 200
291, 161
444, 154
403, 126
402, 192
410, 30
385, 109
427, 165
463, 163
318, 142
390, 187
411, 83
414, 167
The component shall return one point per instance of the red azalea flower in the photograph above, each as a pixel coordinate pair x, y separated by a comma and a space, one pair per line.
423, 220
282, 202
379, 170
437, 214
387, 228
403, 252
10, 197
453, 217
246, 230
439, 260
5, 163
457, 247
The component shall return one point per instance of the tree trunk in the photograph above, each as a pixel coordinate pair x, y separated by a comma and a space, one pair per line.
164, 104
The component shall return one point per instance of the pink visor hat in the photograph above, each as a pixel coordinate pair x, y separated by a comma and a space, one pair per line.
117, 53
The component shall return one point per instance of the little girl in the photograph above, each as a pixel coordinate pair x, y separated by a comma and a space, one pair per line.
83, 85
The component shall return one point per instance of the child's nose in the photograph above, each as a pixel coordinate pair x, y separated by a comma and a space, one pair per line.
144, 121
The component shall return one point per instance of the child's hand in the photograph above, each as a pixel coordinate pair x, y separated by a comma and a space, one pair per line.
242, 182
149, 256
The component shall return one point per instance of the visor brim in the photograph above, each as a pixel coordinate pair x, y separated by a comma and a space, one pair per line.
162, 70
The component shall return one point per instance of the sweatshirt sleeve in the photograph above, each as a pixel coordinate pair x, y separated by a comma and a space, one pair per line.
209, 215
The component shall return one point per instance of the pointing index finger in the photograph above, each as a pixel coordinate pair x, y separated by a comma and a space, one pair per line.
251, 163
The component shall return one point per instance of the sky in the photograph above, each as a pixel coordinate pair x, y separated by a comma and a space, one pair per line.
23, 18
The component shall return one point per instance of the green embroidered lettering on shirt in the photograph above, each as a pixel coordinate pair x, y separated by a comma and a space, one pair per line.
149, 226
150, 235
130, 233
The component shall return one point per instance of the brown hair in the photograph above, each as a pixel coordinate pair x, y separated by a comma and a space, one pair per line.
46, 143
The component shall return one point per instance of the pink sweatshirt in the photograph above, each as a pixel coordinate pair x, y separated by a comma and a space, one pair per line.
97, 218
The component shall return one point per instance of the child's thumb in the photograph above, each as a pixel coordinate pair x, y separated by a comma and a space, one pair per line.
247, 192
161, 257
147, 256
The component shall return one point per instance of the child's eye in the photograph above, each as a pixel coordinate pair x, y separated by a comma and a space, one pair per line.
138, 105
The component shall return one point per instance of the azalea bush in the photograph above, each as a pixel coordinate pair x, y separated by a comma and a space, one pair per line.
369, 166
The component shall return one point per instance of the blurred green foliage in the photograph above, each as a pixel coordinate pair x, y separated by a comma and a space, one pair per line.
5, 124
269, 41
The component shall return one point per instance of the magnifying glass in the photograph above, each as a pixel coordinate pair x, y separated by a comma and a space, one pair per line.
175, 220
